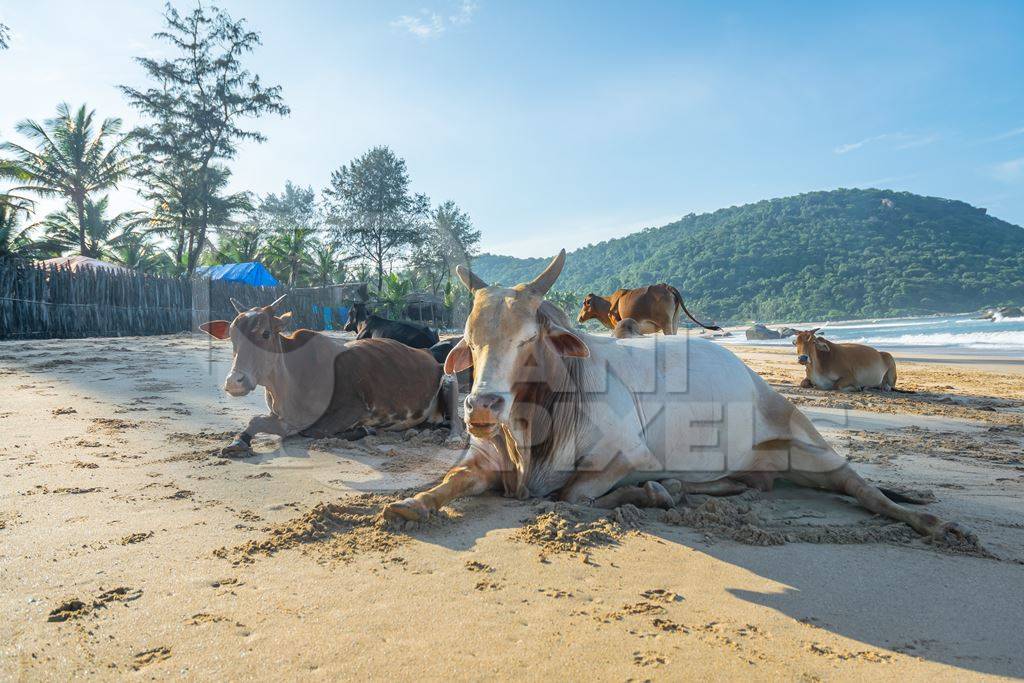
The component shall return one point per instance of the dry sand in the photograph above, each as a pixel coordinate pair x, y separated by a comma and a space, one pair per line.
129, 548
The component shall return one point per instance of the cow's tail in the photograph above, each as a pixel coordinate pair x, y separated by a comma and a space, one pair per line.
679, 300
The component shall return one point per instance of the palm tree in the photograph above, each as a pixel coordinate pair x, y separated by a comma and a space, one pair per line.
393, 294
176, 211
325, 265
74, 158
241, 245
133, 249
288, 252
18, 242
62, 227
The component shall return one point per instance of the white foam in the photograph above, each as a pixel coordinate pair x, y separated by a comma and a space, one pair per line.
1004, 340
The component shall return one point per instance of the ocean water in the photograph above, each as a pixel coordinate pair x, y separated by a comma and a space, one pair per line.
954, 333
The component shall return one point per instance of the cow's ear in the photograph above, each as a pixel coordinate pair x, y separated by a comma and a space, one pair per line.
459, 358
218, 329
280, 320
821, 344
566, 343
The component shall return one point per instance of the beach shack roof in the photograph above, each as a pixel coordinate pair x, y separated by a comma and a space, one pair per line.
75, 263
252, 273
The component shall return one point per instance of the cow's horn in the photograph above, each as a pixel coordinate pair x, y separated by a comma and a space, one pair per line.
815, 330
543, 282
469, 278
239, 308
277, 301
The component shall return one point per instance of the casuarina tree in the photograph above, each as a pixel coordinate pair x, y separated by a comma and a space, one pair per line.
197, 110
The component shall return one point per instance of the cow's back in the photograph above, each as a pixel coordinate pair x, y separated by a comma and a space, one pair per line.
410, 334
654, 303
387, 378
701, 410
866, 365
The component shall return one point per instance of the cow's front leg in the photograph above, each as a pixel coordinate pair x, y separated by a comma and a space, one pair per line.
471, 478
848, 386
590, 485
268, 424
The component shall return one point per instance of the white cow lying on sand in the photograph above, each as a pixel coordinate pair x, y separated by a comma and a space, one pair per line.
604, 420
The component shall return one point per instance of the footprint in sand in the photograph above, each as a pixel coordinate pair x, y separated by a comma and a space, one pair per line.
662, 595
137, 537
648, 658
147, 657
73, 608
487, 586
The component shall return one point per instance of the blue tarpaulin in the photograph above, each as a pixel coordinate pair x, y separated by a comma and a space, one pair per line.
252, 273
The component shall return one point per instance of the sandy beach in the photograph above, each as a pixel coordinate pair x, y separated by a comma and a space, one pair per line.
128, 547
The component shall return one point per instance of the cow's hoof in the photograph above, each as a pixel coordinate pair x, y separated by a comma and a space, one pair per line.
408, 510
658, 496
236, 449
958, 537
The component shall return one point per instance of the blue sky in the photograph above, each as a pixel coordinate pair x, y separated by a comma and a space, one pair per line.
560, 124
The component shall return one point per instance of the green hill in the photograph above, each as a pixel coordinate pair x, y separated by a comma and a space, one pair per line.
820, 255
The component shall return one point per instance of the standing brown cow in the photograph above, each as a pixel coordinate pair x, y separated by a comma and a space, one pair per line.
655, 308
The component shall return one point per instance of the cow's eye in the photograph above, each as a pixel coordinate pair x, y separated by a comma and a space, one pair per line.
527, 341
266, 334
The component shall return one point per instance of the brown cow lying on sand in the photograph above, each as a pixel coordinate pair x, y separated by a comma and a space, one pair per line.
593, 419
655, 308
321, 386
846, 367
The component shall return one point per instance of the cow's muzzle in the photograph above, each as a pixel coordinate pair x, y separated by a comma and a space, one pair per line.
238, 385
483, 413
803, 359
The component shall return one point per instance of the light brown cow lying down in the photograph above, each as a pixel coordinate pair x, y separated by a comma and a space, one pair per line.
627, 329
847, 367
640, 420
321, 386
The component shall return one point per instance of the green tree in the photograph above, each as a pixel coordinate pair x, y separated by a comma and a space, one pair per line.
243, 244
292, 222
73, 158
101, 231
16, 240
393, 293
135, 250
197, 109
326, 265
372, 211
176, 208
449, 240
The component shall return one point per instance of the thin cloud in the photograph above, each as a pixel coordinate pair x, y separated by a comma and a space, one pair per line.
431, 24
465, 13
1009, 171
917, 142
849, 147
426, 25
895, 140
1006, 136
